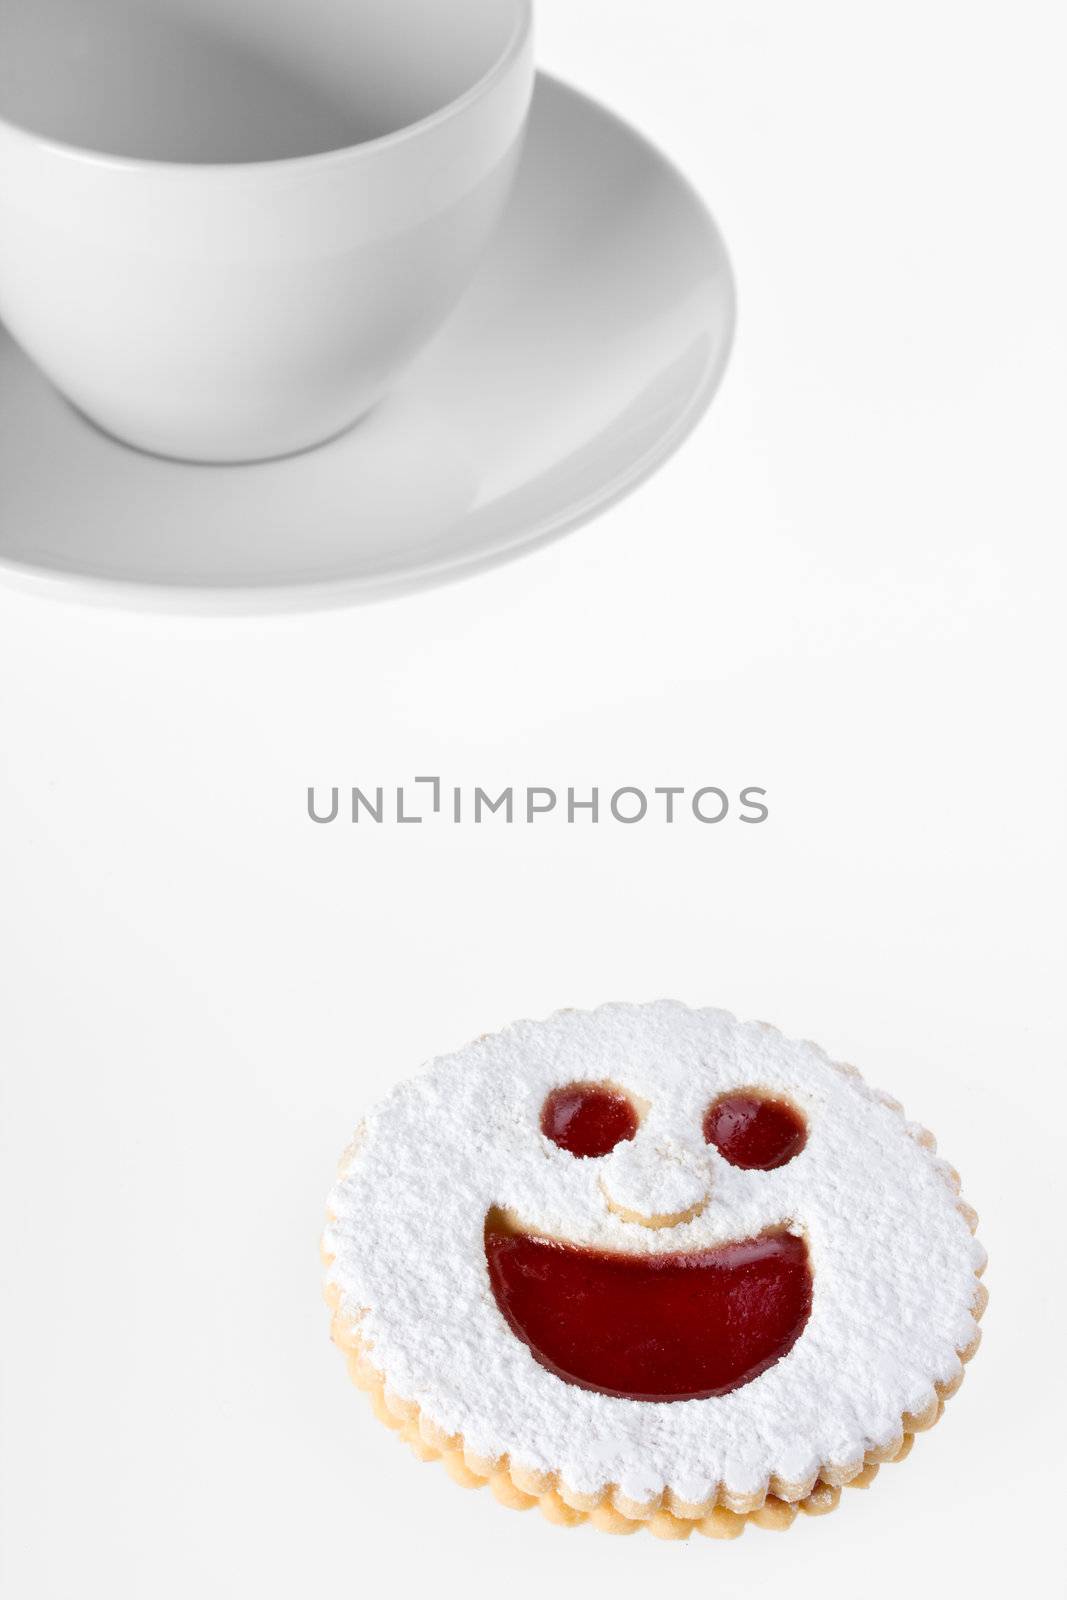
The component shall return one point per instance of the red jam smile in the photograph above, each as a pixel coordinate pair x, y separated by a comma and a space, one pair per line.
755, 1132
588, 1119
652, 1327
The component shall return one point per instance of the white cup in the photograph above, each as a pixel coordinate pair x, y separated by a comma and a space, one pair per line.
226, 226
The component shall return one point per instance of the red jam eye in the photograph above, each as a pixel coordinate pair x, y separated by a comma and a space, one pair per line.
755, 1132
588, 1119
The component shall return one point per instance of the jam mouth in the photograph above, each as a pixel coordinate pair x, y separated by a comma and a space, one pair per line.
686, 1326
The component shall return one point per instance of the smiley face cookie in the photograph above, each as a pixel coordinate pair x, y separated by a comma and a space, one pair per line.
652, 1266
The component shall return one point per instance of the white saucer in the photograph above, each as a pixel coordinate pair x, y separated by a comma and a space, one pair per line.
589, 346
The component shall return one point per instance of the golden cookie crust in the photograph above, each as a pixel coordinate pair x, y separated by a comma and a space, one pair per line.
724, 1516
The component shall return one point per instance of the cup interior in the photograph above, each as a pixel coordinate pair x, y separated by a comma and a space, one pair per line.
206, 81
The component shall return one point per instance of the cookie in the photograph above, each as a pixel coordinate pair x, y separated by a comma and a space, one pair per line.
650, 1266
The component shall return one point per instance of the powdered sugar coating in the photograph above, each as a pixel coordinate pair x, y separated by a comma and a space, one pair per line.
657, 1176
893, 1259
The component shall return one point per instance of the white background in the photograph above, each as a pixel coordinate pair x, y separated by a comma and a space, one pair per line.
847, 589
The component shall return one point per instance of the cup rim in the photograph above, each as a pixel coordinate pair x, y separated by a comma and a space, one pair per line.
366, 148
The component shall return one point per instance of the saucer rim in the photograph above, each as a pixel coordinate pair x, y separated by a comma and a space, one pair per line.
348, 593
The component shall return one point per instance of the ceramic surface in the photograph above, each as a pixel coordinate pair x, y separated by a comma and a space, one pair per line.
589, 345
225, 229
